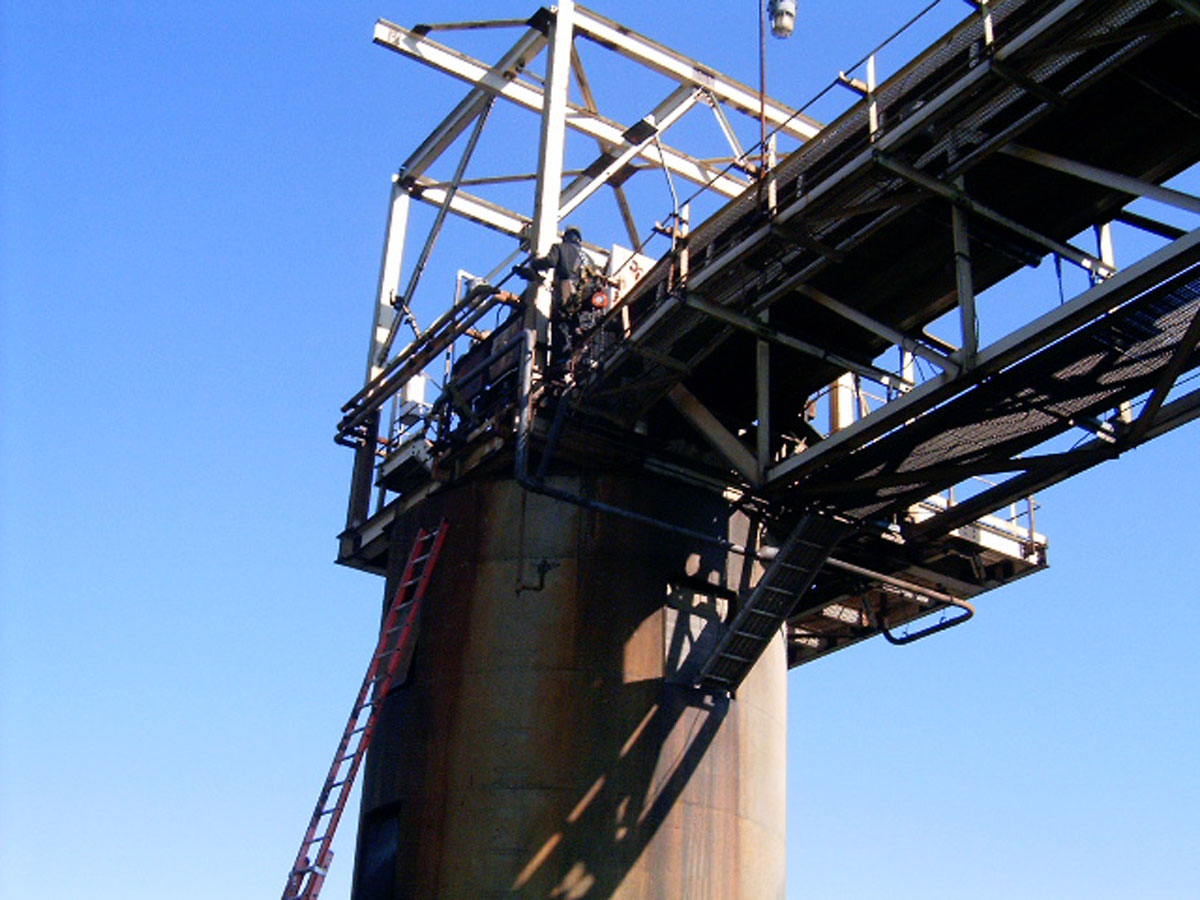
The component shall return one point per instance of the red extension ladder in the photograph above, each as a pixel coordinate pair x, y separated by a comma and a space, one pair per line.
392, 654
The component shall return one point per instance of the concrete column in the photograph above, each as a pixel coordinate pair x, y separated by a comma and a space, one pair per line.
548, 742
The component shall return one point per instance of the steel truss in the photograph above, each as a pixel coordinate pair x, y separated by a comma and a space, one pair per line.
622, 151
992, 150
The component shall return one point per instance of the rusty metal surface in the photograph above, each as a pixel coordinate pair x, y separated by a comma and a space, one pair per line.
545, 744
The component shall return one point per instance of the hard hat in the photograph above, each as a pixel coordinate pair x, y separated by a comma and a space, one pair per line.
572, 233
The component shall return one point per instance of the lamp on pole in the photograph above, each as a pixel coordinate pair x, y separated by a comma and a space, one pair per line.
783, 23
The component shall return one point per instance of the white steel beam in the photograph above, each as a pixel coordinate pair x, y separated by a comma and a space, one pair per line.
1136, 186
508, 67
739, 152
878, 328
725, 443
666, 61
482, 212
666, 114
961, 199
389, 276
553, 137
472, 71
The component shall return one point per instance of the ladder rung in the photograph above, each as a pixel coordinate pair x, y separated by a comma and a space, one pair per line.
776, 590
734, 657
306, 879
751, 634
795, 568
759, 612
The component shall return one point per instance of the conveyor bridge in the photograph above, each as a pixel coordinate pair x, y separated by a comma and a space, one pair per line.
784, 349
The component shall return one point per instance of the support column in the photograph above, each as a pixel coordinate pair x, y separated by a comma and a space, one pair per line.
1107, 252
549, 742
548, 197
389, 276
965, 283
763, 389
550, 153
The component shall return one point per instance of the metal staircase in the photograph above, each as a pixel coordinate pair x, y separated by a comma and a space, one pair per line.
772, 600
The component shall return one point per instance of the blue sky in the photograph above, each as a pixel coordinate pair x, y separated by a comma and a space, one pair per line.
192, 211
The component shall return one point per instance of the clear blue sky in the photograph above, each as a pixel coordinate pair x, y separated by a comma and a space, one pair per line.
192, 211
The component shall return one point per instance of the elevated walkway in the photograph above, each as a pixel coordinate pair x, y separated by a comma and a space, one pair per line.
1028, 124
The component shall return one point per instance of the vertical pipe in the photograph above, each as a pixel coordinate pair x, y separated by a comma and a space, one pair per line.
762, 97
359, 507
986, 12
872, 106
763, 389
772, 185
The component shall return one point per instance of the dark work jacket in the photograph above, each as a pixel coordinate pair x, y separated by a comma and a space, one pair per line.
567, 261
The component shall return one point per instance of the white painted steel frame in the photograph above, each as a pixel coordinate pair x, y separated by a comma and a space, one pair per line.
471, 70
1136, 186
619, 146
668, 62
389, 276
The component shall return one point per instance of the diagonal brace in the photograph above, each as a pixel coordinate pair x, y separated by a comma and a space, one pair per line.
725, 443
636, 139
961, 199
460, 65
1174, 368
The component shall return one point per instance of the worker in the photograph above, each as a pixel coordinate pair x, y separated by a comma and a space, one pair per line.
567, 260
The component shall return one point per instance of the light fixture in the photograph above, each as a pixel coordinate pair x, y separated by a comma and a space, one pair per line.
783, 17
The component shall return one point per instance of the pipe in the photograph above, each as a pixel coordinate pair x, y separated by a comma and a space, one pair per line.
895, 582
495, 357
877, 623
387, 382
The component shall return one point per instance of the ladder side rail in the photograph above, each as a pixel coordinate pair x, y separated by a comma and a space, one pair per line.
324, 855
305, 862
308, 872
